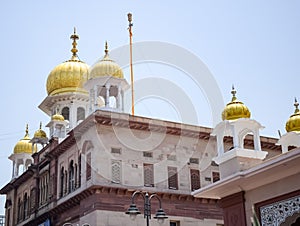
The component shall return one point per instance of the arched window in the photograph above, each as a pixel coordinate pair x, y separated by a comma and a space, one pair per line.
228, 143
61, 182
66, 183
21, 168
75, 177
19, 210
41, 190
46, 189
246, 139
66, 113
88, 167
33, 198
87, 158
71, 177
79, 170
80, 114
25, 206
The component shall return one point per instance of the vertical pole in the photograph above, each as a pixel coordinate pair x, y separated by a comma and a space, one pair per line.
147, 208
131, 68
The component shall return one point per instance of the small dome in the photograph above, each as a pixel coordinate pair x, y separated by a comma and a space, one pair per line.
23, 145
106, 67
235, 109
70, 75
293, 123
40, 133
57, 117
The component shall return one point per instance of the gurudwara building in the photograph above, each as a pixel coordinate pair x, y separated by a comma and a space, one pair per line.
96, 157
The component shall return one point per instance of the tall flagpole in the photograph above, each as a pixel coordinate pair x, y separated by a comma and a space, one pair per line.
131, 68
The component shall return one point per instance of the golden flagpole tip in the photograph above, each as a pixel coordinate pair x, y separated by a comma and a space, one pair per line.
106, 48
26, 130
129, 15
74, 37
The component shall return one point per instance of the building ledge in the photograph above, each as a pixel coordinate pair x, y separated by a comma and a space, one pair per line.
271, 170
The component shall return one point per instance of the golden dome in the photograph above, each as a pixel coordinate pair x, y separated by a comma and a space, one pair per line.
235, 109
106, 67
57, 117
40, 133
70, 75
293, 123
23, 145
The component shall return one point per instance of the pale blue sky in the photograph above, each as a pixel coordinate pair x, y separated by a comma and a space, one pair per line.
251, 44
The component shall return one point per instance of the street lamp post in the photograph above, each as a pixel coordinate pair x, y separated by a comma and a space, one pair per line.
133, 211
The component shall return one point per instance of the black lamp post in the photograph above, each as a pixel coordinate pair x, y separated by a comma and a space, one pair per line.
133, 211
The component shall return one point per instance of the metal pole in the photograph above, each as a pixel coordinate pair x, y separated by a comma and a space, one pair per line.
147, 208
131, 68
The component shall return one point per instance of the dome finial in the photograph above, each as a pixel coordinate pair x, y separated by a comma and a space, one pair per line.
75, 37
106, 49
233, 92
40, 125
235, 109
26, 131
57, 116
296, 104
70, 75
23, 145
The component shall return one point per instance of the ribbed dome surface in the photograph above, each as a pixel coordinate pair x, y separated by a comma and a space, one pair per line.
68, 77
57, 117
106, 67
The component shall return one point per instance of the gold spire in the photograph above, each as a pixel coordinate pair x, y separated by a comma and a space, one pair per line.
233, 92
296, 104
74, 50
26, 131
106, 49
